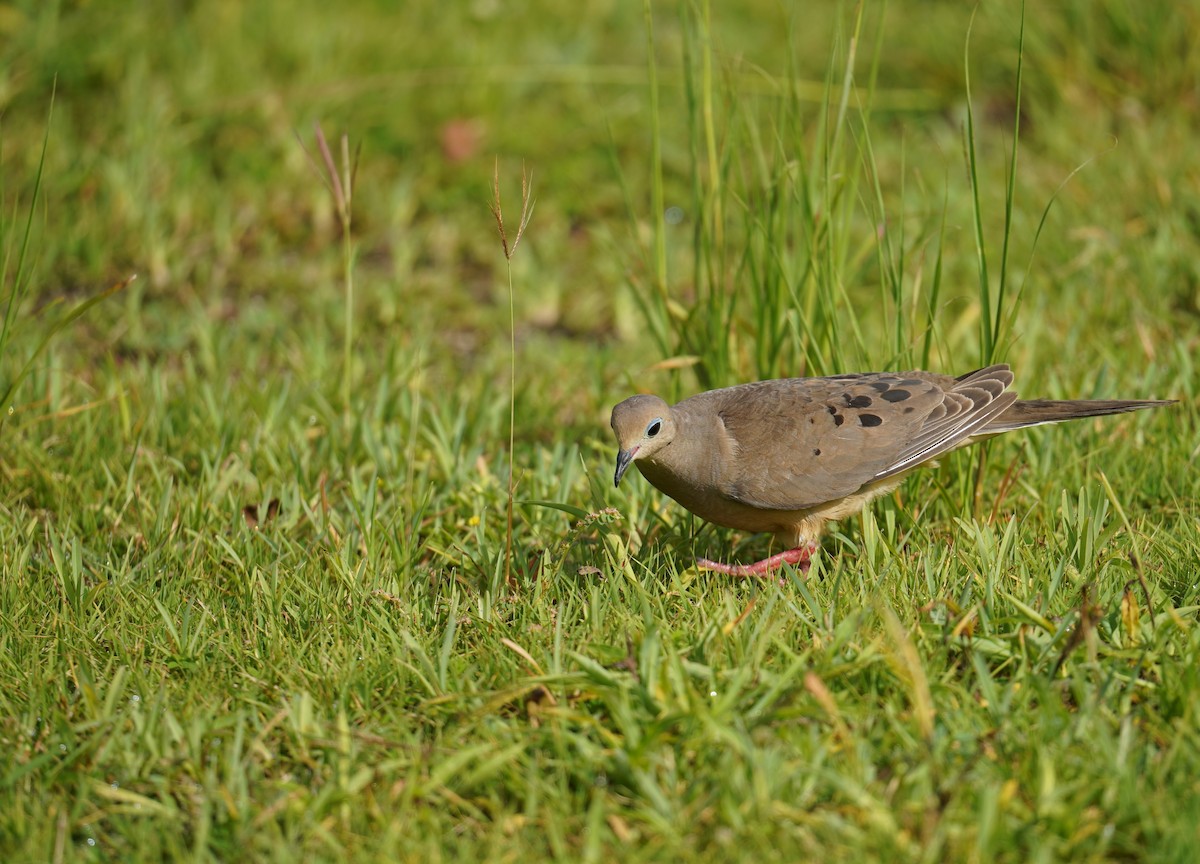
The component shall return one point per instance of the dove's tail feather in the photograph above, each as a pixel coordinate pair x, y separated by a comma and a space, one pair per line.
1035, 412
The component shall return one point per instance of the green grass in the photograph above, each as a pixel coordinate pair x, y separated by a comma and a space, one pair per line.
256, 601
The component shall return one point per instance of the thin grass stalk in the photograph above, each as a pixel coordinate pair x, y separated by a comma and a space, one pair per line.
891, 254
695, 149
707, 332
509, 252
657, 196
846, 89
21, 276
986, 348
348, 281
889, 260
842, 204
341, 187
991, 324
815, 221
512, 422
897, 257
985, 291
1010, 193
935, 289
715, 191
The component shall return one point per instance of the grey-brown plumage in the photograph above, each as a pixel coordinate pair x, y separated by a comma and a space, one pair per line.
789, 455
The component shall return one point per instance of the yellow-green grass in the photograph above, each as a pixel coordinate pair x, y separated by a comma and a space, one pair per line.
997, 663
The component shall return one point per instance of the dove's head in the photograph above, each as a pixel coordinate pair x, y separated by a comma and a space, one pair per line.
643, 426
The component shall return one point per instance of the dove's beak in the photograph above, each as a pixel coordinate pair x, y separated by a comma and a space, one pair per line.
624, 460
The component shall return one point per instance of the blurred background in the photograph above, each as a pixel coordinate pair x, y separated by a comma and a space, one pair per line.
178, 144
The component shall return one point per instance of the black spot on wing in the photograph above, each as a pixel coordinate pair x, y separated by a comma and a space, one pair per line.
870, 419
859, 401
896, 395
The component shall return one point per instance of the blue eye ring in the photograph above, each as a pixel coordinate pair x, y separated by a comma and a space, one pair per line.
654, 428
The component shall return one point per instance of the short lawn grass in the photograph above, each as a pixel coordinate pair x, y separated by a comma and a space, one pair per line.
309, 549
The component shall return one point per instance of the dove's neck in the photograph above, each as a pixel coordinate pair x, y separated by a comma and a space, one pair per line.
689, 468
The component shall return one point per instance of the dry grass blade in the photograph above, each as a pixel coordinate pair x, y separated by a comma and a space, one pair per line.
496, 206
340, 198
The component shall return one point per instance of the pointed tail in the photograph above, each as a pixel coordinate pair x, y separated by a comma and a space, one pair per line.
1035, 412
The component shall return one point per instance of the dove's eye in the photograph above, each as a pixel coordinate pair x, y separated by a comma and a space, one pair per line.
654, 428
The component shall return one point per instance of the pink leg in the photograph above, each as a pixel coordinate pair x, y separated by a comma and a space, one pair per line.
798, 557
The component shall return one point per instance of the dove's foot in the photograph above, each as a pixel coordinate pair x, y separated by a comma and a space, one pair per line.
798, 557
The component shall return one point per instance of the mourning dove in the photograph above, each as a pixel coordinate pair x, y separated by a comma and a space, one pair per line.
788, 456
